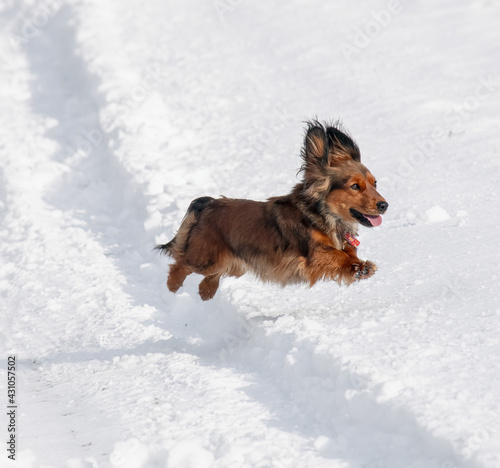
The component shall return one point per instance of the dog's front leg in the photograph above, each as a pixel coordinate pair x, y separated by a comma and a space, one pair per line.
363, 269
327, 262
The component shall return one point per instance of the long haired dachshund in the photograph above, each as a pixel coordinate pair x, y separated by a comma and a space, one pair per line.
302, 237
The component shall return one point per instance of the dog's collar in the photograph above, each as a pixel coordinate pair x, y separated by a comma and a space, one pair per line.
351, 239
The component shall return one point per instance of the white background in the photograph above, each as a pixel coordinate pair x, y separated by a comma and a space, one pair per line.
115, 115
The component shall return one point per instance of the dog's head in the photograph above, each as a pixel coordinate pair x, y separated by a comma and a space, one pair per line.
335, 181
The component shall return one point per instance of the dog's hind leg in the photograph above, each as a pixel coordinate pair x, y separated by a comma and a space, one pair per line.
208, 286
176, 276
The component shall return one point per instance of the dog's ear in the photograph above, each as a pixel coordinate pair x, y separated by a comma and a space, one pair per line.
342, 147
315, 144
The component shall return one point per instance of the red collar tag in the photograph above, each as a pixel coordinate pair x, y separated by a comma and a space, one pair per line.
351, 239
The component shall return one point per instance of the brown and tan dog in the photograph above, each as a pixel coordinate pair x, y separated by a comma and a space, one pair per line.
305, 236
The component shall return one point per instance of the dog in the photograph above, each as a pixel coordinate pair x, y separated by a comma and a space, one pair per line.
303, 237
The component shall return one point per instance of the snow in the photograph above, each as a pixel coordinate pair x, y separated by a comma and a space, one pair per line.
117, 114
436, 214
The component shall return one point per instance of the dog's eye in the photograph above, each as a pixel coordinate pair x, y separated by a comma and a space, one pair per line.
355, 186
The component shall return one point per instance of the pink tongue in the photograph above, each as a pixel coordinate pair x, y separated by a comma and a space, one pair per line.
375, 220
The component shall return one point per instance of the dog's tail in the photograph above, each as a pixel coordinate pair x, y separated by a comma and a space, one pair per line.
166, 249
177, 245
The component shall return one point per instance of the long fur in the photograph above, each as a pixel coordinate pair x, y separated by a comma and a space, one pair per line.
293, 238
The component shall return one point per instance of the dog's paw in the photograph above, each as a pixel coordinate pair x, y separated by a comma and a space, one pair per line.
173, 284
364, 270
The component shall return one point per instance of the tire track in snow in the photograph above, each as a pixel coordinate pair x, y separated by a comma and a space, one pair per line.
95, 188
344, 414
71, 297
92, 191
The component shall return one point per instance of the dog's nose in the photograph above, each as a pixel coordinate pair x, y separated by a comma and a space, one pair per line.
382, 206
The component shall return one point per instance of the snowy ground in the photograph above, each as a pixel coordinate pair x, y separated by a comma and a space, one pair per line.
115, 115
